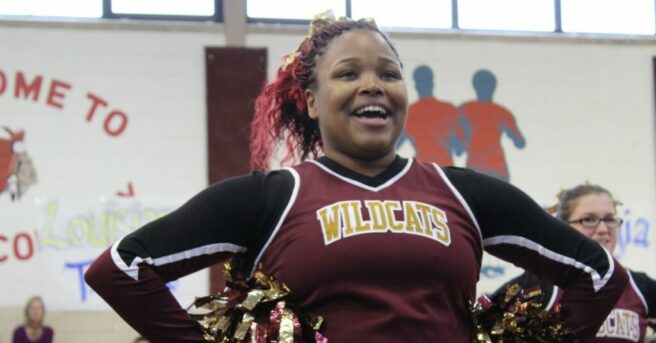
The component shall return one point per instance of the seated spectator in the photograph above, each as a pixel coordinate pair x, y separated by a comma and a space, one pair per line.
592, 211
33, 331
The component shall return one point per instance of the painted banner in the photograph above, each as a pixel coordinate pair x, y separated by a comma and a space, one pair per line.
77, 172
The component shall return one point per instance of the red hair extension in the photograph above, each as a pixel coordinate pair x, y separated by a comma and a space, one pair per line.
272, 119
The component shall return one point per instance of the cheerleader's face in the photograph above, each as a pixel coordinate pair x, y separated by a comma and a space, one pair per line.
359, 98
600, 206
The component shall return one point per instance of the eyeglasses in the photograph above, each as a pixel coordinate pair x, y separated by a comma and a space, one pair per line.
593, 222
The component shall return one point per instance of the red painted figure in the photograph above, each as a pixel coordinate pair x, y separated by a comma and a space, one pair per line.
17, 172
433, 125
8, 158
485, 122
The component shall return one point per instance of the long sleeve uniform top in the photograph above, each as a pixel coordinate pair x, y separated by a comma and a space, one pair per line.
389, 258
627, 322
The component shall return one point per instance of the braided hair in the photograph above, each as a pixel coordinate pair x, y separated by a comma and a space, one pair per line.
280, 109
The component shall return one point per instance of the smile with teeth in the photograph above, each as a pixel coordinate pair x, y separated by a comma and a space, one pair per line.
372, 111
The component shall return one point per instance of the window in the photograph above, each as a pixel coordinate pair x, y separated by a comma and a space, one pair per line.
517, 15
292, 9
164, 7
435, 14
632, 17
620, 16
150, 9
51, 8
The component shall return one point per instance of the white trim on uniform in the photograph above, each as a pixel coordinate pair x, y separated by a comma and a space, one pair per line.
637, 290
388, 183
292, 200
132, 270
552, 300
460, 198
598, 282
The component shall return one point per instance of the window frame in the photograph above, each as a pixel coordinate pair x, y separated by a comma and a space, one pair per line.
455, 26
216, 17
283, 21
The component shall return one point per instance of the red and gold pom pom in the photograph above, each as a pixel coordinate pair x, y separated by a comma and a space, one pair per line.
517, 317
255, 310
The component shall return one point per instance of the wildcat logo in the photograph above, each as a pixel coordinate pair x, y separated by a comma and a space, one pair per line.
346, 218
17, 172
621, 323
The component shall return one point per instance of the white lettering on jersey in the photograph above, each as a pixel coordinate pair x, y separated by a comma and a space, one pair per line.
621, 323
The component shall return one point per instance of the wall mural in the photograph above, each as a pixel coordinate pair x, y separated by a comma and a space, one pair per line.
17, 172
434, 127
52, 225
55, 127
439, 130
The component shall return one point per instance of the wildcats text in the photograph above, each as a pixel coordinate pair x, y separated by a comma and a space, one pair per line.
355, 217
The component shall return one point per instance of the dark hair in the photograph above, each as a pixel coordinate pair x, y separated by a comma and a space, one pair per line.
280, 109
567, 198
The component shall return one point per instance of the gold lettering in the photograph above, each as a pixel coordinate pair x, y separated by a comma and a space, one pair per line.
619, 328
441, 230
411, 219
635, 326
360, 224
390, 207
346, 215
376, 215
329, 218
425, 210
628, 323
346, 218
